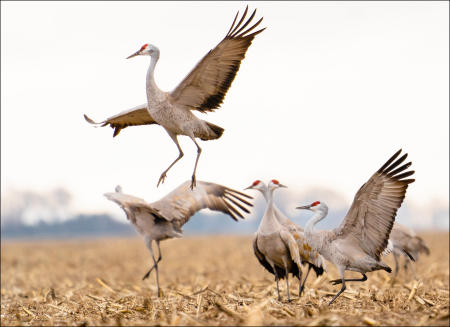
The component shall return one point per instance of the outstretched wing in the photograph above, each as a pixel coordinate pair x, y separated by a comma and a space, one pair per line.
183, 202
135, 116
375, 205
132, 205
204, 88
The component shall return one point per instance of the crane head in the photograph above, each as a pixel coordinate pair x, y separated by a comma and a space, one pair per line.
146, 50
257, 185
273, 184
316, 205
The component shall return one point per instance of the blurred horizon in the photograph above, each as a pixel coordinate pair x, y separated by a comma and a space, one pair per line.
38, 215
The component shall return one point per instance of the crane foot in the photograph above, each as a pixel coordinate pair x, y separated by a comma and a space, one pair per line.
194, 182
162, 178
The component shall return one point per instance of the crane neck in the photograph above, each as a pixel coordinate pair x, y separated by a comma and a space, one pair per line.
318, 216
151, 85
269, 222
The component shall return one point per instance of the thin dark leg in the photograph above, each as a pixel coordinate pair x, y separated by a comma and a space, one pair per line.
180, 155
338, 281
287, 282
157, 261
276, 279
302, 285
339, 293
199, 151
396, 265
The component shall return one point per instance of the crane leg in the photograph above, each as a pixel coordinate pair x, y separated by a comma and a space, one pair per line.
180, 155
148, 242
199, 151
408, 262
338, 281
287, 282
157, 261
276, 279
342, 272
302, 285
396, 264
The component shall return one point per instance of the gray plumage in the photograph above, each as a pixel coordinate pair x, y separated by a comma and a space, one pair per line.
356, 244
408, 245
203, 89
163, 219
275, 246
308, 255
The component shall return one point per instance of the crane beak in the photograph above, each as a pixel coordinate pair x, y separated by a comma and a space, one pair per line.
250, 187
134, 54
304, 207
281, 185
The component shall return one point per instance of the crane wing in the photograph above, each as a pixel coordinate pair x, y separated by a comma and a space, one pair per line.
132, 205
135, 116
182, 203
372, 214
204, 88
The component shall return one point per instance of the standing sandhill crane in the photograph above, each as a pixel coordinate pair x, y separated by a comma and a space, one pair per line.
203, 89
356, 244
307, 254
406, 243
164, 218
275, 246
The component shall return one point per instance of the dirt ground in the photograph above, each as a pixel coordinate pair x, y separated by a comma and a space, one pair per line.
214, 280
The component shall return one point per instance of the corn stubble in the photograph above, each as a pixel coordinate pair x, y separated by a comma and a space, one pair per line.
205, 281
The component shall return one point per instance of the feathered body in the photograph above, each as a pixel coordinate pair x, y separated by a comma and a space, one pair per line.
357, 243
203, 89
164, 219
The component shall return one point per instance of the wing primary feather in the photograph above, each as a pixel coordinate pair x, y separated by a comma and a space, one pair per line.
232, 25
240, 22
396, 171
233, 209
408, 181
246, 23
238, 198
395, 164
406, 174
389, 161
240, 193
252, 28
236, 203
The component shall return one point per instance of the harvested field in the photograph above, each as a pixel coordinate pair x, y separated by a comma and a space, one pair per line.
205, 281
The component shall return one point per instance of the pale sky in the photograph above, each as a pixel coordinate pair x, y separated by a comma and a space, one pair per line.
326, 94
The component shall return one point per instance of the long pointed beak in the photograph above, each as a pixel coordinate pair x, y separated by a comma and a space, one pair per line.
250, 187
134, 54
281, 185
304, 207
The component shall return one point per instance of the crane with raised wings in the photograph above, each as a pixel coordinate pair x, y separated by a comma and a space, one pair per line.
203, 89
164, 219
363, 235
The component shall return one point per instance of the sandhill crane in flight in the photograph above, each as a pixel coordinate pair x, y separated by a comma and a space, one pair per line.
203, 89
275, 246
356, 244
164, 218
307, 254
407, 244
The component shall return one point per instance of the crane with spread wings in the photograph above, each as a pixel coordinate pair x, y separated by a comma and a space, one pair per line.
203, 89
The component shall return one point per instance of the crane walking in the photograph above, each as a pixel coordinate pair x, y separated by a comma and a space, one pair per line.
308, 255
203, 89
165, 218
407, 244
356, 244
274, 245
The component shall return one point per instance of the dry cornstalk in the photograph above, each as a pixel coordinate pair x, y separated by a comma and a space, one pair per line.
102, 283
